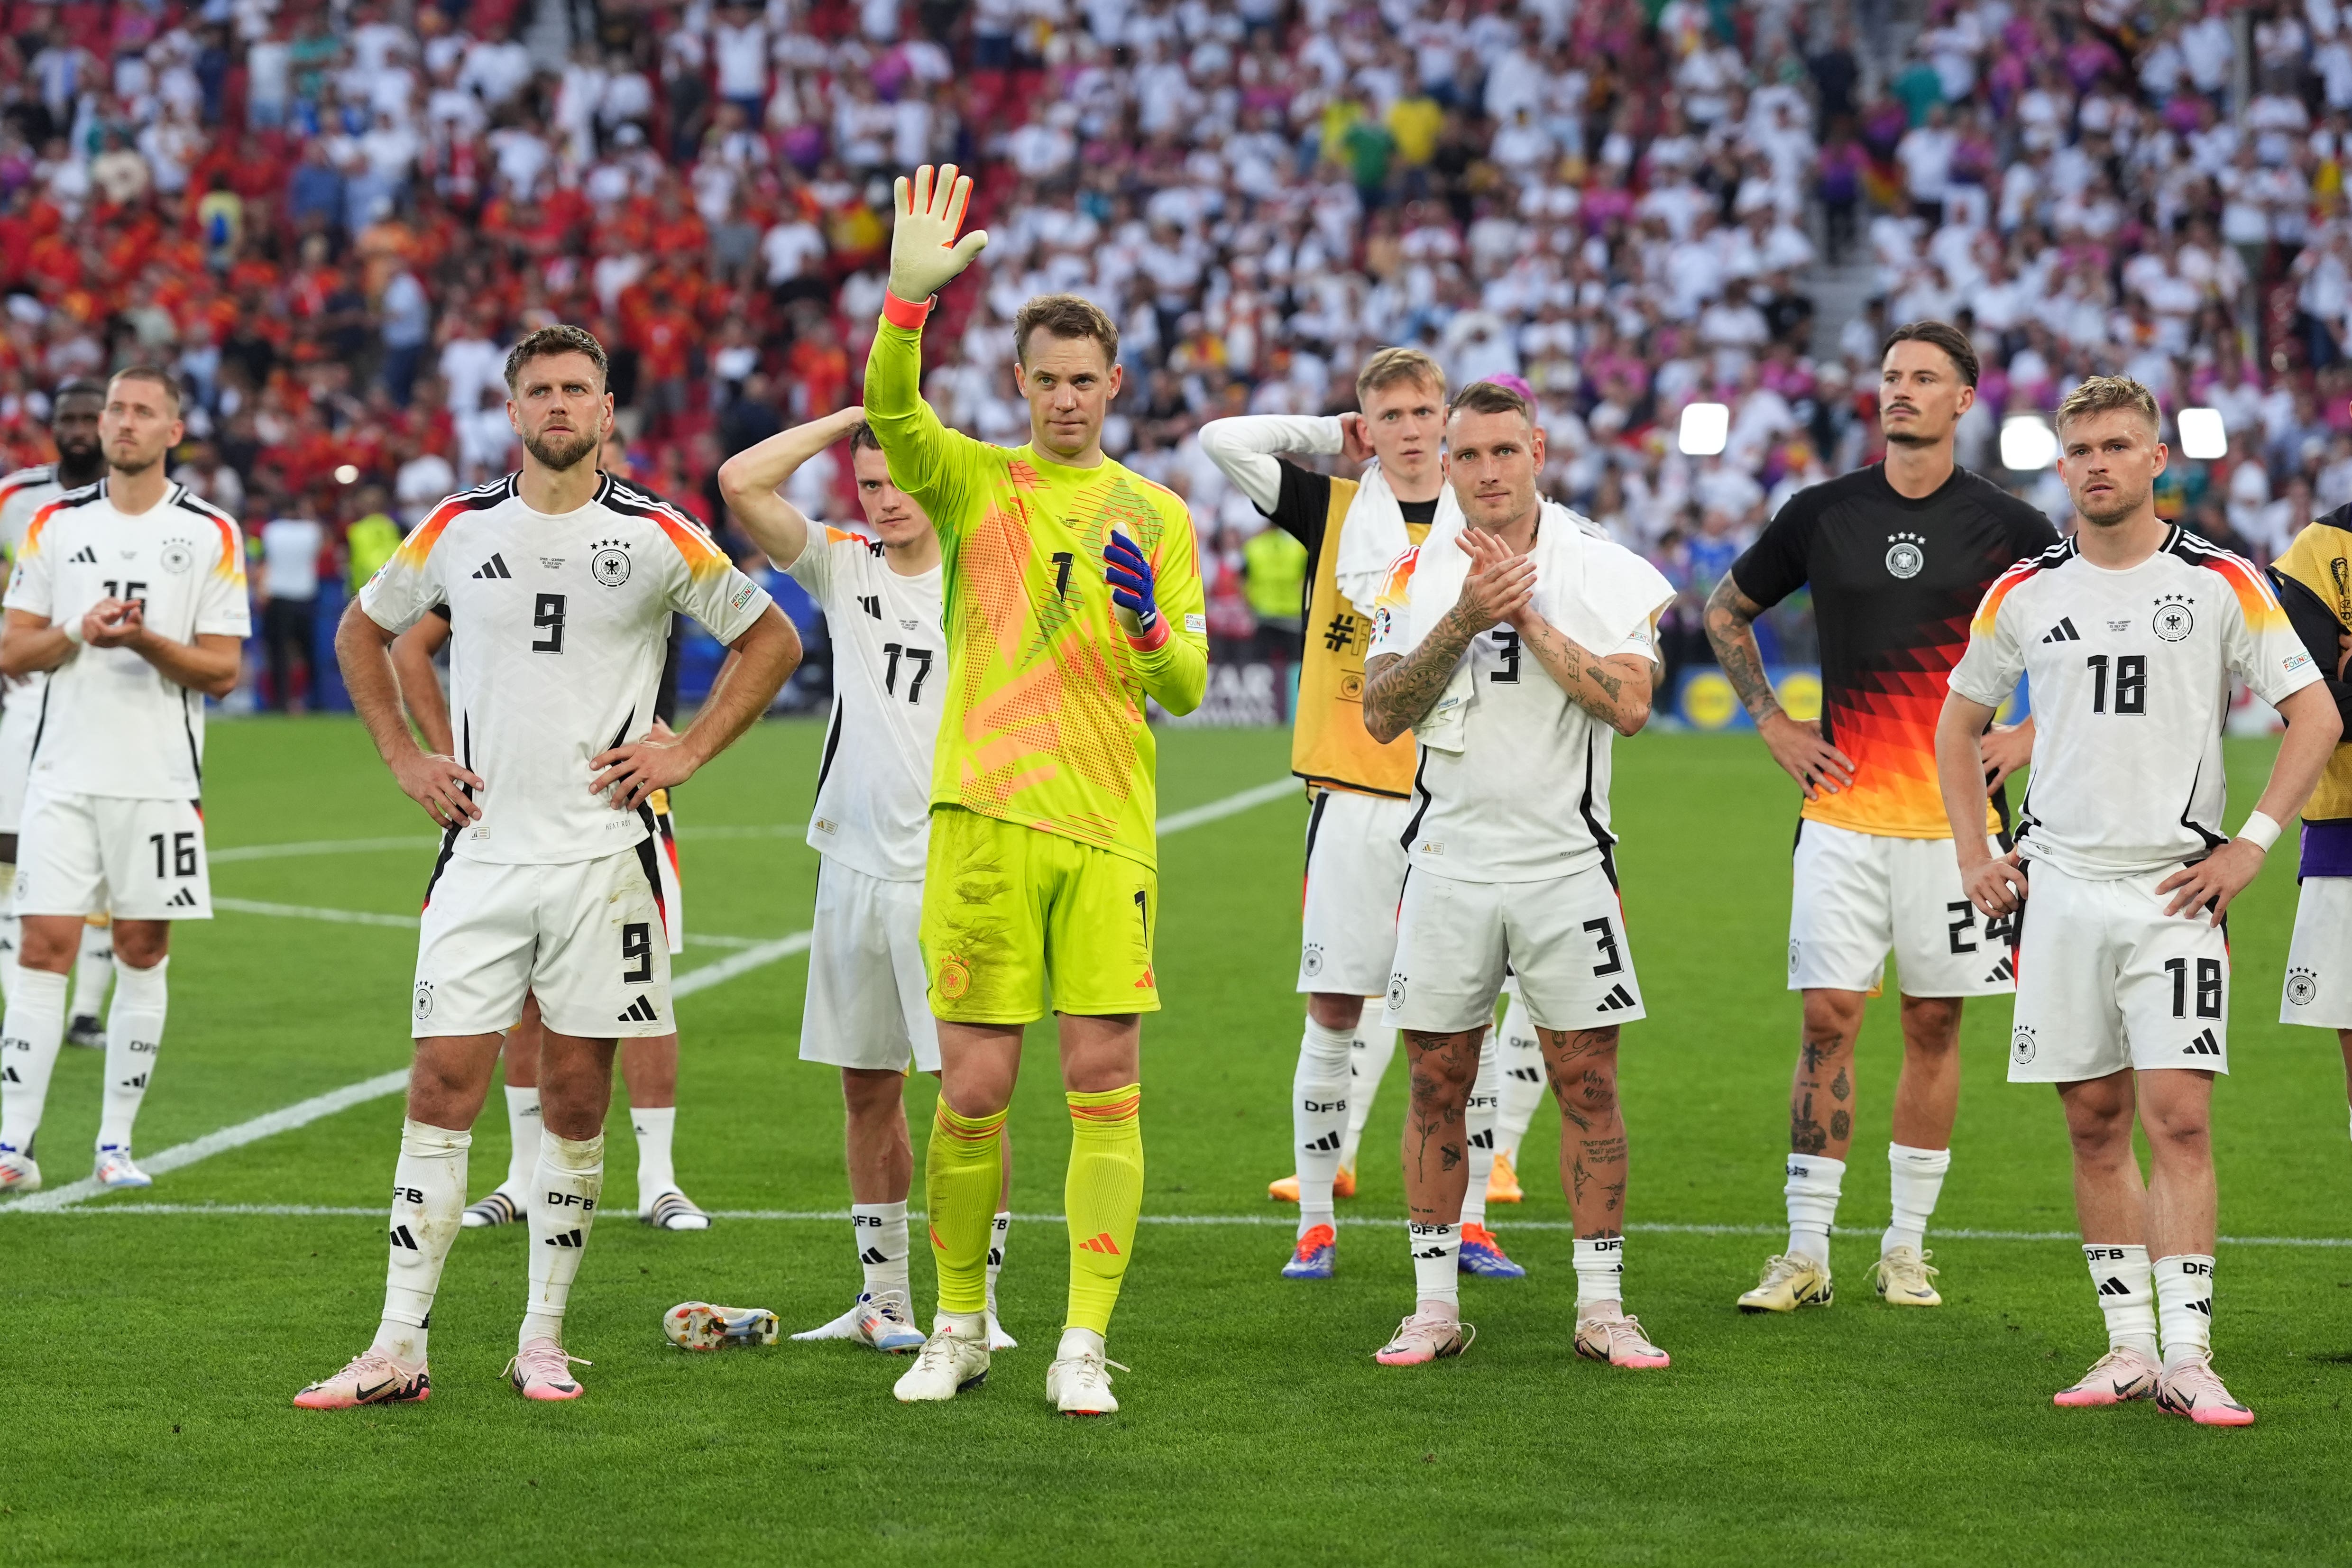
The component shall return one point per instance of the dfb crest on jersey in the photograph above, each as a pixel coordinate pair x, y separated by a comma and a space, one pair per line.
2302, 987
2021, 1045
1904, 554
2172, 620
177, 556
610, 564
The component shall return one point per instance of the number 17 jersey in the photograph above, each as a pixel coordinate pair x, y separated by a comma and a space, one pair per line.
873, 810
2129, 677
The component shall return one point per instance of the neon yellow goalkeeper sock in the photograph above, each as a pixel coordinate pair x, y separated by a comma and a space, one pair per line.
1103, 1195
962, 1174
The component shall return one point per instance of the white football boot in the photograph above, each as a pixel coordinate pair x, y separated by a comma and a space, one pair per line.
949, 1364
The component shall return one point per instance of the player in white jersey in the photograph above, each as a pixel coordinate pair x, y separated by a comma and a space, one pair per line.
74, 413
867, 1011
130, 592
564, 580
2127, 634
648, 1066
1514, 649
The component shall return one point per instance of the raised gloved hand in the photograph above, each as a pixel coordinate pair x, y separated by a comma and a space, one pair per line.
1130, 578
924, 253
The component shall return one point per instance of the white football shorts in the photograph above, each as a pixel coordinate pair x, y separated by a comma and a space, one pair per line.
2106, 980
585, 938
107, 854
1564, 940
1355, 869
1859, 896
868, 993
20, 722
2319, 956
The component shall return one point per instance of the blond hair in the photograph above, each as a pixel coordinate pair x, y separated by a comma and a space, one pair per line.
2099, 395
1390, 366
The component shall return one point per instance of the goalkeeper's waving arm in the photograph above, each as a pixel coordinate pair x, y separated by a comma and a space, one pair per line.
926, 460
1162, 610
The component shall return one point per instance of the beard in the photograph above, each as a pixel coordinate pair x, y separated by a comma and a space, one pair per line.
2117, 507
80, 455
561, 451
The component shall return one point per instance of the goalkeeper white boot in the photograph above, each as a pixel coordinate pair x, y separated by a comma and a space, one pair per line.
954, 1359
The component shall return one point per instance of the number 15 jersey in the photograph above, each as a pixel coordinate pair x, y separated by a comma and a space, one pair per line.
2129, 675
566, 624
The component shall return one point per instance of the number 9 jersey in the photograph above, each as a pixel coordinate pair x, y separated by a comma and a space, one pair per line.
2128, 673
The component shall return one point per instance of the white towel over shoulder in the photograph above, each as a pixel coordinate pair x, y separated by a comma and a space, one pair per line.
1374, 535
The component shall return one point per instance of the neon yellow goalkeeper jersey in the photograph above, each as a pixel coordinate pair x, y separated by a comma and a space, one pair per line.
1043, 721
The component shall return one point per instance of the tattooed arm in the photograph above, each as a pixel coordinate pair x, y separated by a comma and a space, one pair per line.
1797, 747
1400, 688
1615, 690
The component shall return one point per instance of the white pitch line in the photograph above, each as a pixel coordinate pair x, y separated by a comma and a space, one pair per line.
316, 847
834, 1216
304, 1113
409, 922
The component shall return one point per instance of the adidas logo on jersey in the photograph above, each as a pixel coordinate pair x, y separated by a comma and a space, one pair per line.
641, 1011
871, 603
83, 557
2062, 632
183, 899
2203, 1045
1618, 1000
567, 1238
494, 567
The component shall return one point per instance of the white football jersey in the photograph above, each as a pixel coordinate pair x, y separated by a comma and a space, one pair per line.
22, 494
2129, 675
110, 723
566, 621
873, 808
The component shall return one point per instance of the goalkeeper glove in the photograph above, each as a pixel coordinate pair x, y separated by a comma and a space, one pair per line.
1130, 580
924, 253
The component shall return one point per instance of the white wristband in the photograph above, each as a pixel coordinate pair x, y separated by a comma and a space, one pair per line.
2260, 831
72, 629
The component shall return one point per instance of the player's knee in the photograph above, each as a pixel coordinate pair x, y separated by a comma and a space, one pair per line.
141, 943
1833, 1018
2100, 1136
2173, 1135
872, 1098
1337, 1010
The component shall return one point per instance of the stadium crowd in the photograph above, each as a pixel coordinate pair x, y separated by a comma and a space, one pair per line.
333, 218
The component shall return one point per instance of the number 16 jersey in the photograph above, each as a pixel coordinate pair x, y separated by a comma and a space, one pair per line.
2129, 676
873, 810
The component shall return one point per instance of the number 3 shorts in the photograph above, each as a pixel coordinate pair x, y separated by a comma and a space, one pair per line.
1013, 914
1565, 941
586, 938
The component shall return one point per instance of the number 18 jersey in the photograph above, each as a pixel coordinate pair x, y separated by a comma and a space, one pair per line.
2129, 676
873, 809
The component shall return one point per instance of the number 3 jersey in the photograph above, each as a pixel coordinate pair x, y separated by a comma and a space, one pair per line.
873, 809
567, 621
110, 723
2129, 677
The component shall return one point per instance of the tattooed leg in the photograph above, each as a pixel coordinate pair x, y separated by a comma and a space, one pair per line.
1592, 1161
1927, 1094
1436, 1123
1822, 1097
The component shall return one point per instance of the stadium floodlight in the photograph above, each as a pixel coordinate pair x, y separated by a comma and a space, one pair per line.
1707, 428
347, 474
2203, 437
2027, 443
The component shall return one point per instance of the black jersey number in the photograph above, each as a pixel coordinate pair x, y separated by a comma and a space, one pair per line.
1604, 943
920, 658
2209, 987
637, 951
1963, 925
1062, 559
547, 617
134, 592
183, 852
2131, 683
1507, 643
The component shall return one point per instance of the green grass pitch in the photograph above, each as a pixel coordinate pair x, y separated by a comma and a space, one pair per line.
146, 1360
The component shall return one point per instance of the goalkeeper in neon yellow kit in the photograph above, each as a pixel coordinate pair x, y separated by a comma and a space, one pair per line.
1072, 595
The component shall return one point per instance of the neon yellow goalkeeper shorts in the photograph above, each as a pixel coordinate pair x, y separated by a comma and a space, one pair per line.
1013, 915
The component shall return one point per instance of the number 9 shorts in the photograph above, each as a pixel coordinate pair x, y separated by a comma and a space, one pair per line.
586, 938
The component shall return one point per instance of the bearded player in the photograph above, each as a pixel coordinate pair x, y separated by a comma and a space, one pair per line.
1072, 597
74, 415
2129, 633
1896, 554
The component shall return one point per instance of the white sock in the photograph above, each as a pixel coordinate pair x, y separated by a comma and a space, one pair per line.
1368, 1062
880, 1229
93, 969
428, 1205
9, 931
31, 1033
1000, 1230
134, 1034
1318, 1118
523, 1135
1599, 1276
564, 1193
1438, 1264
1485, 1097
655, 1124
1917, 1178
2184, 1306
1812, 1195
1523, 1078
1079, 1342
2127, 1291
